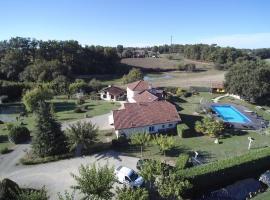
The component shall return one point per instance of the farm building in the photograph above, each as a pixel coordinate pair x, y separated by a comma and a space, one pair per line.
112, 93
148, 117
217, 87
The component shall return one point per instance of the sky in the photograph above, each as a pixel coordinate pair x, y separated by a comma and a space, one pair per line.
236, 23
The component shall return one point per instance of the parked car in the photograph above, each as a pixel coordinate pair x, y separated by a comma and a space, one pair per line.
128, 177
141, 162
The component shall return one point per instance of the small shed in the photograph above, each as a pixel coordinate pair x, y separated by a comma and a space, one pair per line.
112, 93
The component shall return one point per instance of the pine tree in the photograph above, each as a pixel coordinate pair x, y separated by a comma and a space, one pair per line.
48, 138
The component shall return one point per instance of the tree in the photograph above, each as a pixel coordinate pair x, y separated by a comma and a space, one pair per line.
172, 187
120, 49
48, 139
133, 75
250, 80
95, 85
36, 95
155, 49
132, 194
164, 143
60, 85
141, 139
150, 170
77, 86
95, 183
209, 126
81, 136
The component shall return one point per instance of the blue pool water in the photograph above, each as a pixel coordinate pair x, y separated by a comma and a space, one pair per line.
230, 114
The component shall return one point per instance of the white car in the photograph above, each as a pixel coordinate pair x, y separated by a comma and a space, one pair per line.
128, 177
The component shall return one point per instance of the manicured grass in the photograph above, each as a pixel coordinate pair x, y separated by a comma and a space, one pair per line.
64, 111
262, 196
232, 144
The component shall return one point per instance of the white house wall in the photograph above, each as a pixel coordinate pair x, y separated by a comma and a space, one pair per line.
145, 129
131, 94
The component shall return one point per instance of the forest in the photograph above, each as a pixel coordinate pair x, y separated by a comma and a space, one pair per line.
25, 59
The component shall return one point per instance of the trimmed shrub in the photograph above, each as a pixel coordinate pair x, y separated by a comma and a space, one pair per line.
182, 162
19, 134
79, 110
5, 150
224, 172
182, 130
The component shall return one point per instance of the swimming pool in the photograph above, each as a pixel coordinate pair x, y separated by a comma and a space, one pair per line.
230, 114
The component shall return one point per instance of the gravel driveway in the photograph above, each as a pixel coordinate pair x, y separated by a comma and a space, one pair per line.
101, 121
55, 176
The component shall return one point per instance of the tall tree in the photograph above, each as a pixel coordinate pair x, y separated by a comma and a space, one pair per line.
48, 138
95, 182
120, 49
250, 80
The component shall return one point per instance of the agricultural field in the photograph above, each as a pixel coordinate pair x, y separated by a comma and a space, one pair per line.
164, 71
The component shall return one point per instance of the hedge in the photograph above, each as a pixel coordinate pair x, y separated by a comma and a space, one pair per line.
182, 130
224, 172
182, 161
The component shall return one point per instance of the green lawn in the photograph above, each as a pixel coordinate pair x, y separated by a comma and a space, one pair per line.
232, 144
64, 111
262, 196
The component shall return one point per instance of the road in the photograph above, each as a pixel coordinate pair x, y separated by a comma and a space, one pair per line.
55, 176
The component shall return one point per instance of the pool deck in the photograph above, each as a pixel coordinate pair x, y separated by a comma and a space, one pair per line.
256, 122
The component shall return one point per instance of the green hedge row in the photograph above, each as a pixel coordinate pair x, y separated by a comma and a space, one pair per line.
183, 130
223, 172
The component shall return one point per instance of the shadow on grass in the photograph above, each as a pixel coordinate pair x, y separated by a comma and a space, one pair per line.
231, 132
3, 138
190, 120
64, 106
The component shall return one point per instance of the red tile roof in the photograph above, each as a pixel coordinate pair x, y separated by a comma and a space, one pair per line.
219, 85
145, 114
116, 91
139, 86
145, 96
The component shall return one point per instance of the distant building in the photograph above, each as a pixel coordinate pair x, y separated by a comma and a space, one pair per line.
217, 87
146, 117
112, 93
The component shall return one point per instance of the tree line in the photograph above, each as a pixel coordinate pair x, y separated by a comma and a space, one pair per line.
25, 59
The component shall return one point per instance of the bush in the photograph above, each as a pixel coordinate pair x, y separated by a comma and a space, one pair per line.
1, 122
79, 110
8, 189
182, 162
133, 75
187, 94
171, 90
182, 130
80, 101
224, 172
19, 134
5, 150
